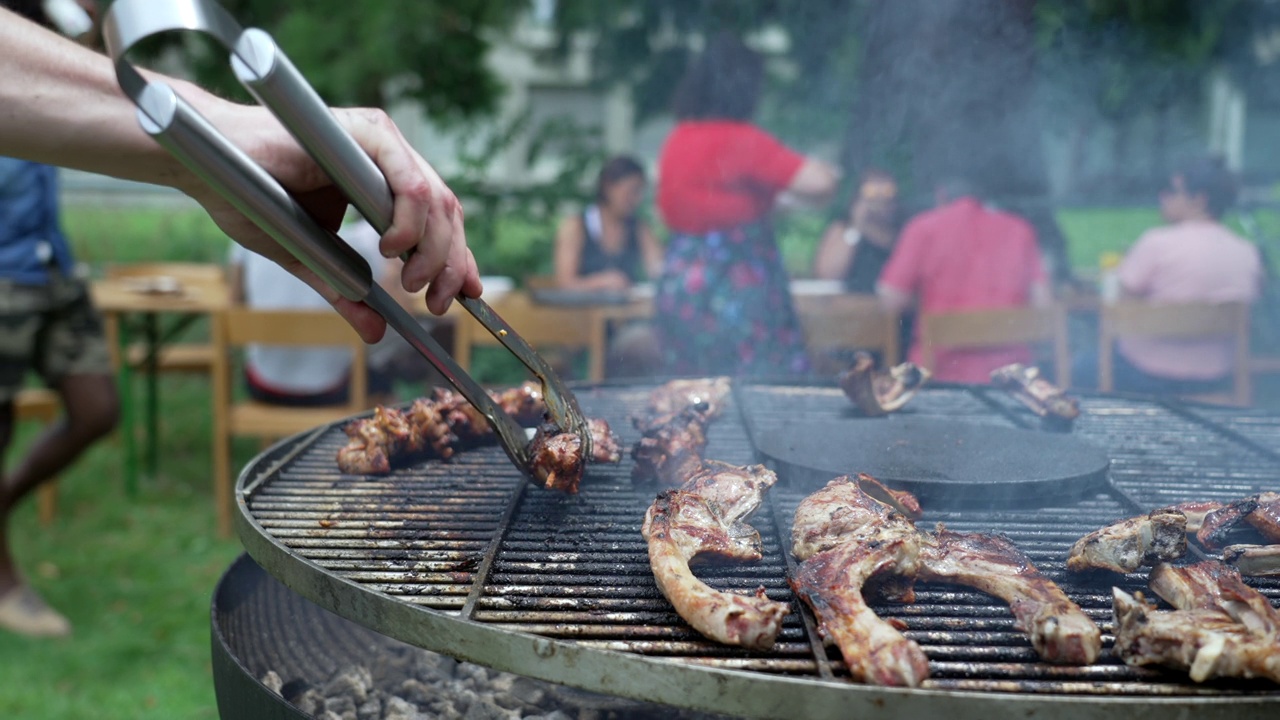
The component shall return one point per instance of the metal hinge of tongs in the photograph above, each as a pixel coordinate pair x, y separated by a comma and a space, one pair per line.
261, 66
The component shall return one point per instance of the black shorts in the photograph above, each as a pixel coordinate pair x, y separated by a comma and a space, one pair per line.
52, 329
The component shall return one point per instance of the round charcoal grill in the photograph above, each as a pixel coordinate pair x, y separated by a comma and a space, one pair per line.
464, 558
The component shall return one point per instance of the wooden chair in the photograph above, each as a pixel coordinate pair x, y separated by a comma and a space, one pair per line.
1223, 321
995, 328
846, 322
237, 327
543, 326
173, 357
42, 405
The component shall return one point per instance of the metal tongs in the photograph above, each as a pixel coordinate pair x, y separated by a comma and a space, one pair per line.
272, 79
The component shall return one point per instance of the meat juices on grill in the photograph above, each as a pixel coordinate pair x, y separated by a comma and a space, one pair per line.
1206, 643
880, 393
850, 541
705, 519
1043, 397
1256, 560
1059, 630
1129, 544
1210, 585
1217, 523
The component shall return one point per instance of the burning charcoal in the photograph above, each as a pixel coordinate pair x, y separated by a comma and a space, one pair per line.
310, 702
485, 709
273, 682
553, 715
329, 715
354, 682
416, 691
341, 706
401, 709
371, 709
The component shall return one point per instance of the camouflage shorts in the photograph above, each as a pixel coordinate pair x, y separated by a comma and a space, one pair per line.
53, 330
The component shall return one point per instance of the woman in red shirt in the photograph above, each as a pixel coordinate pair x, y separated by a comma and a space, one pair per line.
723, 305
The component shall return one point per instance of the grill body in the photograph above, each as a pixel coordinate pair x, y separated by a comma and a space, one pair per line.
463, 558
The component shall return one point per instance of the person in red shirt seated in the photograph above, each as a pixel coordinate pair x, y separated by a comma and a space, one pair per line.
723, 304
965, 255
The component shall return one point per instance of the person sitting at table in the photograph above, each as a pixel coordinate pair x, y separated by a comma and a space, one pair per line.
965, 255
309, 377
608, 246
47, 324
855, 247
1194, 258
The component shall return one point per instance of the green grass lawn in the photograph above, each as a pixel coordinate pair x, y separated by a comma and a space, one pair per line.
135, 575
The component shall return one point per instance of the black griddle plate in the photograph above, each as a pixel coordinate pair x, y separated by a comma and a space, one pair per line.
945, 463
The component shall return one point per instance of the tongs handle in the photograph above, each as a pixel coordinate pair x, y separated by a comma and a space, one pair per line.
264, 69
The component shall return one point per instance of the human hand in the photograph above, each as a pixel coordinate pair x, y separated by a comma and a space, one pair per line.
611, 281
426, 217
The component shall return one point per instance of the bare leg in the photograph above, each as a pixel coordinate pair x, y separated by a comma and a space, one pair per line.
92, 409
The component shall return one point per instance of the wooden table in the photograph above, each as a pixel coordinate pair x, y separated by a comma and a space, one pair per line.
133, 307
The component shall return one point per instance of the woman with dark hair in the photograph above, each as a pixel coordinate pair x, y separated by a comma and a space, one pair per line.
607, 247
855, 247
723, 305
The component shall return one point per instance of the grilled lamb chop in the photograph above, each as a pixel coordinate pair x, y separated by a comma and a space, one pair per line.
705, 519
1043, 397
880, 393
1206, 643
1256, 560
847, 539
1060, 631
1266, 518
706, 395
1217, 523
1210, 585
1129, 544
1196, 512
669, 452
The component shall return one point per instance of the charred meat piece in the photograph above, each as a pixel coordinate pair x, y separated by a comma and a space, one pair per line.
1206, 643
1218, 523
832, 583
376, 440
604, 444
425, 417
877, 393
555, 459
1129, 544
1196, 512
705, 519
1041, 396
1210, 585
1059, 630
1255, 560
705, 395
1266, 518
669, 452
848, 509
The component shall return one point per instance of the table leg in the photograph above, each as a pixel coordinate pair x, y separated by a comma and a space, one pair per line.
153, 394
124, 380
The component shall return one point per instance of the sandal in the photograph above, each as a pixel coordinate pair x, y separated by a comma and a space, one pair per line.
24, 612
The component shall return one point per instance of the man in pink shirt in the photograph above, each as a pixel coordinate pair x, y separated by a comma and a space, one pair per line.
965, 255
1193, 259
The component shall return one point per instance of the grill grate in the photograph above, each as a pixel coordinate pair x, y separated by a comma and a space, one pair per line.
466, 538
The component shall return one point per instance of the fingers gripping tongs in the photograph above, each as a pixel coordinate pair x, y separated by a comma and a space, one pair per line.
272, 79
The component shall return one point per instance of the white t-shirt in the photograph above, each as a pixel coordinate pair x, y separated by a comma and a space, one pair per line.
267, 286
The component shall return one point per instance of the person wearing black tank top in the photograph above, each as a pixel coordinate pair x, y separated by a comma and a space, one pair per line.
607, 248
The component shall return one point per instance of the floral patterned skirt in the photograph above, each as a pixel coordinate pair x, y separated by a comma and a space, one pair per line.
723, 306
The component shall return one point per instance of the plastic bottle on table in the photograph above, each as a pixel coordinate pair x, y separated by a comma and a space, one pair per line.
1109, 278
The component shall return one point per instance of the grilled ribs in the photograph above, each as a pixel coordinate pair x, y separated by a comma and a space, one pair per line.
673, 430
1217, 523
1253, 559
1059, 630
1129, 544
705, 519
877, 393
1210, 585
1266, 518
1207, 643
846, 539
1041, 396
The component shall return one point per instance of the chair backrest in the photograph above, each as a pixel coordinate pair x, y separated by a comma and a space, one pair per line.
996, 327
1188, 321
542, 326
240, 326
847, 322
191, 272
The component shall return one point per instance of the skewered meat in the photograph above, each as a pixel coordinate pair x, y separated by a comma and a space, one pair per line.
446, 421
705, 519
1257, 560
832, 583
669, 452
1129, 544
1060, 631
706, 395
1043, 397
1217, 523
1206, 643
1266, 518
1210, 585
848, 538
880, 393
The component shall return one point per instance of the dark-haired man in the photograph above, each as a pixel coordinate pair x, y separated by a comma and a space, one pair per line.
1192, 259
